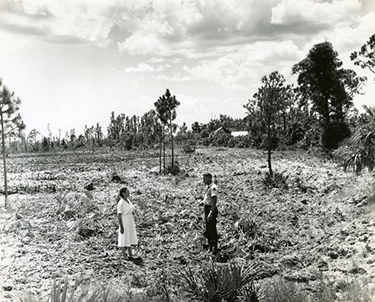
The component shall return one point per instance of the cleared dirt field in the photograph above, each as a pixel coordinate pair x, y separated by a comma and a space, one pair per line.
317, 224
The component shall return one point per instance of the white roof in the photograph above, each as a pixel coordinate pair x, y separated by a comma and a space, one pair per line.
239, 133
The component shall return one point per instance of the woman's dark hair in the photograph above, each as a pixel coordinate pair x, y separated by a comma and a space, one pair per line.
123, 191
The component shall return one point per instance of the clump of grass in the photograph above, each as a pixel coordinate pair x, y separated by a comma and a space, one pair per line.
360, 192
276, 180
325, 292
356, 291
62, 292
59, 293
280, 290
162, 289
228, 282
248, 226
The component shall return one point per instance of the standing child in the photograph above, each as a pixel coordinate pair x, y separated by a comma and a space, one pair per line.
127, 234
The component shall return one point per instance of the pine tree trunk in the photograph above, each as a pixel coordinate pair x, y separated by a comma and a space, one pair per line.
172, 145
160, 155
163, 153
269, 150
326, 109
25, 144
269, 162
4, 161
163, 149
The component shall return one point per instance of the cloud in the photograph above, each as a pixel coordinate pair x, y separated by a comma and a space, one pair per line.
141, 68
245, 64
315, 14
193, 109
148, 40
156, 60
144, 68
174, 78
348, 38
58, 21
226, 42
164, 28
368, 23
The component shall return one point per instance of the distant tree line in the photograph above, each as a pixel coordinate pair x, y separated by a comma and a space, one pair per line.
317, 112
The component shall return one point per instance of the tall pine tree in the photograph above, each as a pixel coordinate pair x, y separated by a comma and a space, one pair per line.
11, 124
166, 109
329, 88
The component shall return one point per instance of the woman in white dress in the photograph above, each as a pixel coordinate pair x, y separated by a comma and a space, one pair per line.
127, 234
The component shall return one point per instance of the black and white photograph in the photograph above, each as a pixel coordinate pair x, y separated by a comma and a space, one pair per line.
187, 150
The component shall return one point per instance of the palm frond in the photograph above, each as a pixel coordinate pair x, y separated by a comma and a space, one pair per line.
218, 282
360, 160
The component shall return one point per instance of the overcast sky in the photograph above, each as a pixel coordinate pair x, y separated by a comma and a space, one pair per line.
73, 62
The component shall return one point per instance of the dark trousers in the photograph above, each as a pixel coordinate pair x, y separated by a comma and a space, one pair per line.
211, 231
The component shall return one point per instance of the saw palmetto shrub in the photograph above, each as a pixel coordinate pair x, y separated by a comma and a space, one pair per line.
248, 226
276, 180
355, 158
359, 160
228, 282
358, 152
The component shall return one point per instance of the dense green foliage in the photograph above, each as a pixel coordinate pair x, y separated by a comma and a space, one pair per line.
359, 151
329, 89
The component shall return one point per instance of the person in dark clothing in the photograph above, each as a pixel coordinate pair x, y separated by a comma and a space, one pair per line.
210, 211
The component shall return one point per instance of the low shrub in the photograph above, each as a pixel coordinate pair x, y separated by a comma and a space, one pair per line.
220, 139
61, 291
354, 290
277, 180
280, 290
221, 282
175, 170
206, 141
240, 142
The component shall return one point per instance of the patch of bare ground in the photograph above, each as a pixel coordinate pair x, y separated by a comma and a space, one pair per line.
314, 223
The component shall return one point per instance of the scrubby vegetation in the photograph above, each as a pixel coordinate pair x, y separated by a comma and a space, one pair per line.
305, 235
